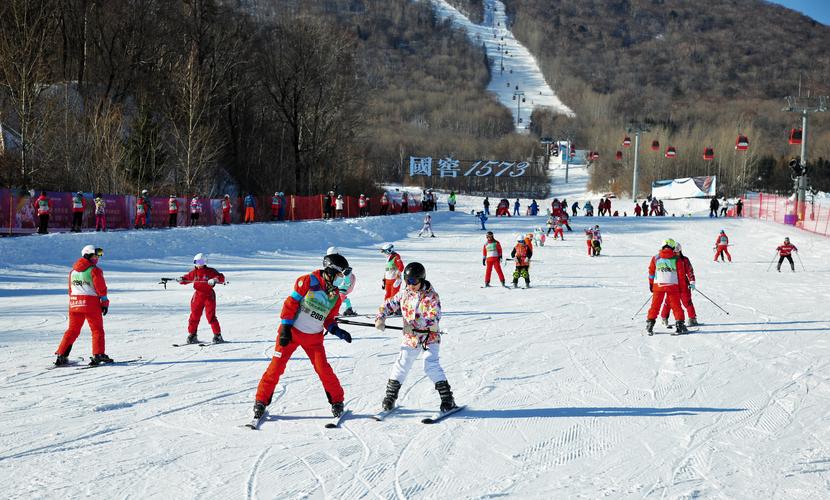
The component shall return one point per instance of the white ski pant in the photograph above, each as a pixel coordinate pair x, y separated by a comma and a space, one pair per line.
427, 227
408, 355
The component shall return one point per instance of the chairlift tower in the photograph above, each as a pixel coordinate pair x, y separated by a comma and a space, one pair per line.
637, 128
805, 106
519, 97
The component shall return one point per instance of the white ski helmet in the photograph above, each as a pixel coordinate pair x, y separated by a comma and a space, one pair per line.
276, 193
387, 248
200, 259
88, 250
333, 250
520, 237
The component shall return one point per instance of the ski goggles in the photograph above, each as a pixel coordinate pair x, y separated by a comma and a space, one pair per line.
412, 280
99, 252
345, 271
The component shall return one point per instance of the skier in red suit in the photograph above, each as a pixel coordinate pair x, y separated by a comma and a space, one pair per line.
664, 273
722, 246
785, 251
204, 278
87, 302
687, 284
492, 256
392, 271
306, 313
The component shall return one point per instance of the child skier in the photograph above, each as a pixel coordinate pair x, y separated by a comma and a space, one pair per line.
275, 206
173, 210
204, 278
427, 226
100, 213
78, 206
557, 229
345, 285
250, 208
142, 210
195, 210
785, 252
596, 241
722, 246
392, 272
87, 302
226, 210
309, 310
420, 308
539, 237
664, 273
482, 217
522, 254
491, 257
686, 283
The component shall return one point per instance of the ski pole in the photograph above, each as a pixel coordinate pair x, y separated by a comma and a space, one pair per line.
800, 261
641, 307
165, 280
388, 327
773, 260
712, 301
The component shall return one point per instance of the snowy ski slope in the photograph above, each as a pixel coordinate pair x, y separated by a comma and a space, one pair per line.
566, 398
520, 67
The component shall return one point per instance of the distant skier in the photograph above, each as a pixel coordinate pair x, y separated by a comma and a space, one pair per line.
307, 312
173, 210
574, 208
204, 278
195, 210
276, 203
516, 207
596, 241
250, 208
664, 273
713, 207
686, 284
226, 210
345, 284
564, 220
142, 210
339, 203
486, 205
87, 302
451, 201
427, 226
362, 206
491, 258
482, 217
558, 232
392, 271
534, 208
420, 306
404, 202
589, 209
100, 213
722, 246
384, 204
785, 252
539, 237
43, 206
78, 206
522, 254
589, 240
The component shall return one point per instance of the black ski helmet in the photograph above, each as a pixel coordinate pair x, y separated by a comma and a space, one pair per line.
335, 263
414, 272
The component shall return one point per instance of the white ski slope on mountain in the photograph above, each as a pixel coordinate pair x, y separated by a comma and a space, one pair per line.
566, 398
520, 67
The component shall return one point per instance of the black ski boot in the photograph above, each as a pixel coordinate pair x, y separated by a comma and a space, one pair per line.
680, 328
650, 327
349, 312
62, 360
191, 339
515, 284
259, 409
487, 285
392, 388
502, 283
337, 409
100, 359
527, 284
693, 322
447, 401
217, 339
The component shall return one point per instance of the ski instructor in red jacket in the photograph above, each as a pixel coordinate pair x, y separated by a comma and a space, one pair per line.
664, 273
87, 302
204, 278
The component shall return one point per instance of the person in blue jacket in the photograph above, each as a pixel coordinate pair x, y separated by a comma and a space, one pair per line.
483, 218
534, 208
250, 208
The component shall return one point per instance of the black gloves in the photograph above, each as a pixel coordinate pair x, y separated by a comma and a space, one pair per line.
104, 310
285, 335
483, 261
383, 284
340, 333
650, 287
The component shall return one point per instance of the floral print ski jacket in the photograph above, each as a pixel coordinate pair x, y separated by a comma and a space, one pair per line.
421, 310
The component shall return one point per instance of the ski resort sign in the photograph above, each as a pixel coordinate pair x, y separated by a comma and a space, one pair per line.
450, 167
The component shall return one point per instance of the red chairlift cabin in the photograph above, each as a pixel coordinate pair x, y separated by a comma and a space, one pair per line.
741, 143
708, 153
655, 145
626, 142
618, 156
671, 152
594, 155
795, 136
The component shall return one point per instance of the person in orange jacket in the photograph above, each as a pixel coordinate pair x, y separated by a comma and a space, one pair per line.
722, 246
491, 257
306, 314
204, 278
522, 253
87, 302
392, 272
43, 205
686, 284
664, 273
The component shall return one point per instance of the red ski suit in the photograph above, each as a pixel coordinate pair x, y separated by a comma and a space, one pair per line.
492, 259
309, 310
664, 273
392, 275
685, 291
722, 245
204, 298
87, 297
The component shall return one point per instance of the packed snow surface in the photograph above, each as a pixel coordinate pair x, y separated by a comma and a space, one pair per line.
566, 398
513, 67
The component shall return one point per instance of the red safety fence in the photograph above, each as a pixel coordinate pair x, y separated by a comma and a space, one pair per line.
19, 216
813, 216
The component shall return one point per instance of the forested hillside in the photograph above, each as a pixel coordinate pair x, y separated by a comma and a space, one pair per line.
206, 95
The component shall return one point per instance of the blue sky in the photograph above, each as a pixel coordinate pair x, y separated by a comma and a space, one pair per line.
817, 9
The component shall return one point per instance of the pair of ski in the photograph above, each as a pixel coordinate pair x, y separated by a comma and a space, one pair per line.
76, 363
497, 286
336, 421
202, 344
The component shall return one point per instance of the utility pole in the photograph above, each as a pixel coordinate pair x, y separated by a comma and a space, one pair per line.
637, 129
803, 105
519, 97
